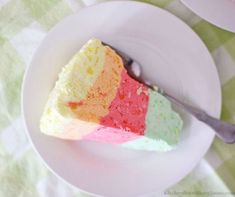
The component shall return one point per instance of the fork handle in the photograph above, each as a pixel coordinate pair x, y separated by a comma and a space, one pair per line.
225, 131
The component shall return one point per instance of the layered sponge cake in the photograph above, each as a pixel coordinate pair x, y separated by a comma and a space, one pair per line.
95, 99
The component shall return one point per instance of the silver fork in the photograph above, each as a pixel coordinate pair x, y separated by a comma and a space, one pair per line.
225, 131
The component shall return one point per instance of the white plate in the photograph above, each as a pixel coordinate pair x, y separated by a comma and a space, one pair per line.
172, 55
219, 12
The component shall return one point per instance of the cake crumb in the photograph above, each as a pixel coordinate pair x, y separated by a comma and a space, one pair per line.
139, 91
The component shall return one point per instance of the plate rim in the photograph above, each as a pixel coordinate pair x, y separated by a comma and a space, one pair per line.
208, 19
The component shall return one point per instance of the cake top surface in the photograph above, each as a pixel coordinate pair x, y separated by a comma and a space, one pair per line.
94, 89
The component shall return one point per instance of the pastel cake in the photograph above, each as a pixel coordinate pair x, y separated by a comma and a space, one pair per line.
95, 99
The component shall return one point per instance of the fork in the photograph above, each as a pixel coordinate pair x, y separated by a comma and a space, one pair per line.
225, 131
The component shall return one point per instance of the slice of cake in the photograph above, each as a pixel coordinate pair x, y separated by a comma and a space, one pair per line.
95, 99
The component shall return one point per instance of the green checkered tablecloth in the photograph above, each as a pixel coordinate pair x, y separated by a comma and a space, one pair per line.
23, 25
